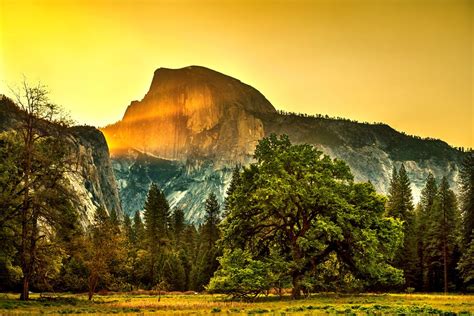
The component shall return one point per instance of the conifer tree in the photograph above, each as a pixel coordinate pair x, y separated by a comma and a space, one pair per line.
467, 197
466, 263
157, 215
211, 220
423, 218
234, 183
128, 230
178, 225
400, 205
441, 239
393, 193
138, 230
209, 233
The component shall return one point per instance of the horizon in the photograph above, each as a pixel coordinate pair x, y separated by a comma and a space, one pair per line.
365, 61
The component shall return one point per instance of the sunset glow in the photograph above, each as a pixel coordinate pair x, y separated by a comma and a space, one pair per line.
406, 63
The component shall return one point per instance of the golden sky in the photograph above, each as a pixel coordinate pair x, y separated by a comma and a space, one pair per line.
407, 63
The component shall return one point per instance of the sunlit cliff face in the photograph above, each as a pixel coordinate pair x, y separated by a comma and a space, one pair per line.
192, 112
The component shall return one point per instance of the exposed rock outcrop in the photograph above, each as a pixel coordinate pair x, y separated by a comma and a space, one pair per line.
192, 112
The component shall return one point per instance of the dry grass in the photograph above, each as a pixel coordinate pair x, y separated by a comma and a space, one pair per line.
146, 303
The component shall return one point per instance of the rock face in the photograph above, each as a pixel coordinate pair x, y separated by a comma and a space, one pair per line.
192, 112
93, 179
194, 125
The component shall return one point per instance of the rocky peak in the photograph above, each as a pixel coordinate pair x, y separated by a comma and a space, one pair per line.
192, 112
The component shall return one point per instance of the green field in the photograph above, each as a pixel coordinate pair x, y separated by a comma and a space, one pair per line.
180, 304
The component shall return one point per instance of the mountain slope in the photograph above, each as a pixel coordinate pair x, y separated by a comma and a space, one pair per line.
195, 124
93, 179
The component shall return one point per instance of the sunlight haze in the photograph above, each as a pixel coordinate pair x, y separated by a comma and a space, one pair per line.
405, 63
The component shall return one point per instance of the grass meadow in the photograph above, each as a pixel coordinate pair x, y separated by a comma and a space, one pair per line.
204, 304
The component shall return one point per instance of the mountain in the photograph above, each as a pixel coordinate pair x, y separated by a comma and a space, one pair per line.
195, 124
193, 113
93, 179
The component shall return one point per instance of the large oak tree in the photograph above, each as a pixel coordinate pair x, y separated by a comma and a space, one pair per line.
303, 207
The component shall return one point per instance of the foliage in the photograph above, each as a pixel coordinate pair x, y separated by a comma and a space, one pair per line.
400, 206
240, 276
36, 199
104, 251
157, 222
466, 263
466, 182
304, 206
206, 260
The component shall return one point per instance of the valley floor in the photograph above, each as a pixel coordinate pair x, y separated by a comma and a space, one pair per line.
197, 304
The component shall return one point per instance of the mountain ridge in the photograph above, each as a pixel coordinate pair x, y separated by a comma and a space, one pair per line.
206, 122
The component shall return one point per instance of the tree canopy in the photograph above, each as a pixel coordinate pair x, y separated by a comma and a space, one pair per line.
304, 207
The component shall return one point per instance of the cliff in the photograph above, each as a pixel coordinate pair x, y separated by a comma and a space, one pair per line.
192, 112
92, 179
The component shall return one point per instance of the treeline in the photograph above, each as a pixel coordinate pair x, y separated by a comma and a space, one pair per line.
159, 252
343, 119
295, 218
436, 254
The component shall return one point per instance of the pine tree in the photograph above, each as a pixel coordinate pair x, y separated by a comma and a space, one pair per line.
138, 231
467, 197
190, 252
207, 262
128, 230
423, 217
234, 183
393, 193
178, 225
400, 205
466, 263
157, 220
441, 239
211, 220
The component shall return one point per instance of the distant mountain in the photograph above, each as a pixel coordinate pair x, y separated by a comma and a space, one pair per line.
93, 178
195, 124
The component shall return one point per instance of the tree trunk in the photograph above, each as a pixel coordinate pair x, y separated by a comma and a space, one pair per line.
445, 262
93, 279
296, 290
25, 294
24, 261
445, 251
25, 267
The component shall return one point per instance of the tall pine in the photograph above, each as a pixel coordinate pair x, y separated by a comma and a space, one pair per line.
441, 239
400, 205
157, 215
424, 213
466, 263
207, 262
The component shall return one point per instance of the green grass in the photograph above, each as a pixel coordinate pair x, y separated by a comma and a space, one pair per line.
175, 304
